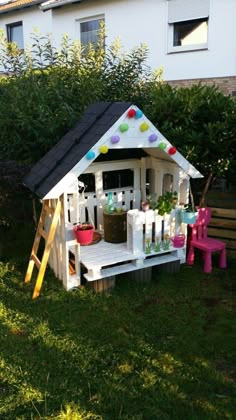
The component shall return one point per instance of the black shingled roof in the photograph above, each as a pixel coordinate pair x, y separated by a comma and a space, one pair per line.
73, 146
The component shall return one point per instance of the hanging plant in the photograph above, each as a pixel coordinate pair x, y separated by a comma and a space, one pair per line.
189, 212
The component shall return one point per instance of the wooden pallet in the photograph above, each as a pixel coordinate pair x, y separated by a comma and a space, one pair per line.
106, 260
223, 226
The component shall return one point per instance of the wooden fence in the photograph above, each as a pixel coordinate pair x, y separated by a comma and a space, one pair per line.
223, 221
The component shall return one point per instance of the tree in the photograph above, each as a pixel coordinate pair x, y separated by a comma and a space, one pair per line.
47, 90
201, 122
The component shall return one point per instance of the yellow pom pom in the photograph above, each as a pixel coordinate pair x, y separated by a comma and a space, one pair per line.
144, 126
103, 149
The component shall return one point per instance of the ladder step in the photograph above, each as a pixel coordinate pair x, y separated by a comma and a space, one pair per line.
49, 209
36, 260
43, 233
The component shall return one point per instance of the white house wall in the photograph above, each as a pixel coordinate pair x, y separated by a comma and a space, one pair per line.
31, 18
139, 21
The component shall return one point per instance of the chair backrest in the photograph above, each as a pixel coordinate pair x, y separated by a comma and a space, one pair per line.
199, 229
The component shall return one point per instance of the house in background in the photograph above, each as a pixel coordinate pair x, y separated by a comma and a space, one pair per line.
194, 40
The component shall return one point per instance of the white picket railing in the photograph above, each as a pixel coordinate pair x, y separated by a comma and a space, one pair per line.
90, 207
148, 230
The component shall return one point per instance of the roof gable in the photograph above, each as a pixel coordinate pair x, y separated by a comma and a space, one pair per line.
104, 126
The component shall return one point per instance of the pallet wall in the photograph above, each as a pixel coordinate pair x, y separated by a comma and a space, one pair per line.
223, 221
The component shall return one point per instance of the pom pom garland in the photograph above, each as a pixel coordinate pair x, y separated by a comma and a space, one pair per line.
172, 150
124, 127
139, 114
115, 139
162, 146
131, 113
152, 138
144, 126
103, 149
90, 155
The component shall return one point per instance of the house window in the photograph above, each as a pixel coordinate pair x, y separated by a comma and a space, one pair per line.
118, 179
193, 32
167, 183
187, 25
15, 34
90, 31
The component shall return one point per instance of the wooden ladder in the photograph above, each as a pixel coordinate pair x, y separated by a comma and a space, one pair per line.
48, 236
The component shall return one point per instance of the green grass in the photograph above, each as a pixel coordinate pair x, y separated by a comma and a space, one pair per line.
163, 350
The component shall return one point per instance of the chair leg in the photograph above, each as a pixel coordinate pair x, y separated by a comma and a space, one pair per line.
190, 256
207, 262
222, 262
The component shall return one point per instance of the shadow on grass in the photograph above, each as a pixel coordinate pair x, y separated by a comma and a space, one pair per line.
142, 352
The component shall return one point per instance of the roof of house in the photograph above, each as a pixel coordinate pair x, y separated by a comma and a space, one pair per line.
104, 127
12, 5
52, 4
95, 122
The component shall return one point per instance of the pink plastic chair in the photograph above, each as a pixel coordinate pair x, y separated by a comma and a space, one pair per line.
207, 245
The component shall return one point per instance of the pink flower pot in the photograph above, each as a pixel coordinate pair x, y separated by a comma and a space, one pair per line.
83, 235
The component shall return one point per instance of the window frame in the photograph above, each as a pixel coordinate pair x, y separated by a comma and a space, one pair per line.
184, 48
86, 20
9, 28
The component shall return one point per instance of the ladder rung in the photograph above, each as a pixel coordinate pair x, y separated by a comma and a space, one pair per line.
49, 209
36, 260
43, 233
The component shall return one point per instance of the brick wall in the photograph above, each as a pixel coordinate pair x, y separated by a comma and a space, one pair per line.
226, 84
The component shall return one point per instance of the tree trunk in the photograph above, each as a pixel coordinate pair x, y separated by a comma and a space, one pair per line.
205, 190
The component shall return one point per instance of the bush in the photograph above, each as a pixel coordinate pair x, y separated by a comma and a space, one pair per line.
47, 90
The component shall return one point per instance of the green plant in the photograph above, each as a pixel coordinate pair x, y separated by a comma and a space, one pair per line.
200, 122
84, 226
164, 203
59, 85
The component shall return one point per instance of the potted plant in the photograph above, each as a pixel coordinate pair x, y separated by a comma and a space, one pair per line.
189, 212
165, 203
84, 233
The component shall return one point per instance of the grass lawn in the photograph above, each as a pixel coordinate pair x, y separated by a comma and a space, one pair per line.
163, 350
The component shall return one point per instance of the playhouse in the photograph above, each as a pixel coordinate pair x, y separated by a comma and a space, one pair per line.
114, 148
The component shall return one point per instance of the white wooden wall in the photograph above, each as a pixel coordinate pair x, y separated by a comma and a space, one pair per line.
74, 205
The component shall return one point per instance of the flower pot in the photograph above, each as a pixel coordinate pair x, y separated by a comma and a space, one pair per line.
188, 217
84, 235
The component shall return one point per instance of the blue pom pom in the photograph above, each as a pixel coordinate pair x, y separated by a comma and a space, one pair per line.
139, 114
90, 155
